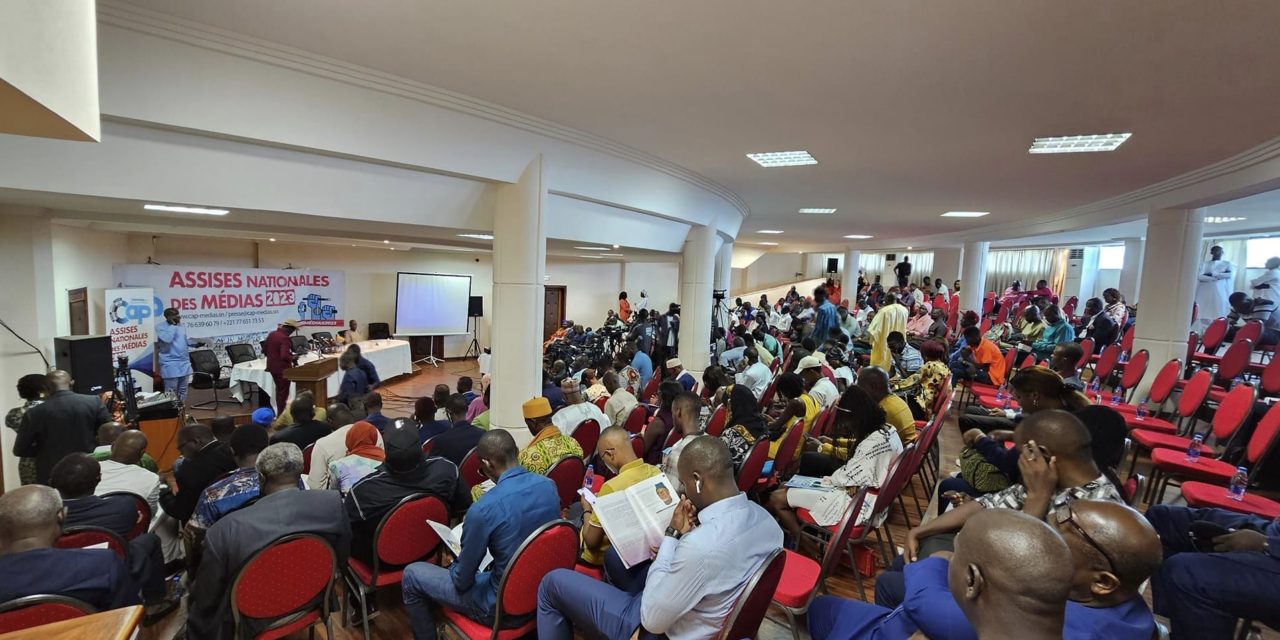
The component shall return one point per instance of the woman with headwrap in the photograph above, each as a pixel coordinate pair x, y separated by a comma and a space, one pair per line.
364, 456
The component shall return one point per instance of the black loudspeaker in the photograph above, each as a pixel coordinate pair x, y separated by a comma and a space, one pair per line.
87, 359
833, 265
475, 308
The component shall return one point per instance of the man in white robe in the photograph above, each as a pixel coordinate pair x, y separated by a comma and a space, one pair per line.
1214, 287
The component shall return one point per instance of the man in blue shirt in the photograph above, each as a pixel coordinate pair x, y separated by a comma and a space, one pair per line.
373, 409
1056, 332
171, 348
1204, 594
643, 365
826, 321
370, 371
519, 503
693, 582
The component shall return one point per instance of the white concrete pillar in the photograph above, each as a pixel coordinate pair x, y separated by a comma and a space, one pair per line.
973, 275
1130, 285
723, 278
519, 263
49, 62
1169, 266
849, 279
946, 265
697, 275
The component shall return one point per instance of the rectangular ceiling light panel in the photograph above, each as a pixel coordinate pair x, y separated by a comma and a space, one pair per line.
1079, 144
179, 209
965, 214
783, 158
817, 210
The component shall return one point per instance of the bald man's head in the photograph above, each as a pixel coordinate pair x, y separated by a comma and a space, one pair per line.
705, 469
1113, 547
1060, 432
108, 432
59, 380
30, 518
1010, 566
614, 448
129, 447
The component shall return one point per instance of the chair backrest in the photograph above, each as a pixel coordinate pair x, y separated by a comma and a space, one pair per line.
903, 468
428, 446
636, 419
987, 305
673, 436
651, 388
1214, 335
942, 399
831, 555
1134, 486
81, 537
787, 450
469, 470
1010, 358
1265, 435
954, 306
298, 343
379, 331
306, 457
767, 396
1107, 361
1086, 346
206, 362
1271, 378
749, 609
1003, 316
1126, 340
140, 505
242, 352
1233, 411
284, 578
1194, 393
1193, 343
1162, 387
403, 535
322, 335
749, 473
601, 401
552, 546
567, 473
985, 326
1027, 360
1252, 330
40, 609
939, 300
1069, 308
587, 433
715, 426
1235, 360
1135, 369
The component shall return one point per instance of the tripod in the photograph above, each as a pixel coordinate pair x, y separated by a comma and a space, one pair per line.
718, 307
473, 350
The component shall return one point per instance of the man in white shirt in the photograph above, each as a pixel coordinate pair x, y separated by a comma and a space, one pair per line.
576, 410
331, 447
121, 472
755, 375
729, 359
620, 403
676, 369
820, 388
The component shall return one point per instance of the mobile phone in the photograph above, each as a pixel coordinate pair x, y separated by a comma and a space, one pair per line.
1203, 532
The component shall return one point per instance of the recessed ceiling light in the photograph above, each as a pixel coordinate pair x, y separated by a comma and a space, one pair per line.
769, 231
178, 209
767, 244
909, 248
1079, 144
782, 158
616, 246
817, 210
965, 214
858, 236
596, 257
612, 255
386, 242
592, 248
271, 239
477, 236
1222, 219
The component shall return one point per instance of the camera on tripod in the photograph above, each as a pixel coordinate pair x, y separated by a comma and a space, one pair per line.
719, 294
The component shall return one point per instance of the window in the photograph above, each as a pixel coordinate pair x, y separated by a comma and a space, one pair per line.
1259, 249
1111, 257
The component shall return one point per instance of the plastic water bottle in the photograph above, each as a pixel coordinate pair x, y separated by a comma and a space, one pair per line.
1007, 404
1237, 382
1116, 394
589, 480
1000, 393
1095, 390
1239, 481
1124, 357
1193, 451
1140, 411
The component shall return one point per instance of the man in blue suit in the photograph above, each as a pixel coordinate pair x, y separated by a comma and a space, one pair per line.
175, 363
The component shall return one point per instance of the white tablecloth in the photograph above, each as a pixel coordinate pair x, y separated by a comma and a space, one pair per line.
391, 358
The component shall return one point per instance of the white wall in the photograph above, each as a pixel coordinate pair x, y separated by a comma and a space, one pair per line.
591, 289
49, 59
83, 258
772, 269
815, 264
660, 279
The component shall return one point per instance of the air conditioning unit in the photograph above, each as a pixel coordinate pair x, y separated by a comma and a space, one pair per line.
1082, 273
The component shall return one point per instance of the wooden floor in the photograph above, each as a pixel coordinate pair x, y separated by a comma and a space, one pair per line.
393, 622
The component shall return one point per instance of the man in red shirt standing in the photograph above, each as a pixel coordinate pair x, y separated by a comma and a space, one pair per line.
279, 351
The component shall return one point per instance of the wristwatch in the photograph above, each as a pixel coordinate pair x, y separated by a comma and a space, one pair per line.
672, 532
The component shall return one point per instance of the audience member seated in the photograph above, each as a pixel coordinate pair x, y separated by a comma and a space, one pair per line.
621, 401
355, 383
308, 429
906, 358
31, 520
482, 421
730, 358
615, 452
109, 431
745, 425
404, 472
692, 584
1032, 389
122, 473
1096, 324
205, 459
819, 387
1042, 290
364, 456
861, 454
373, 411
548, 446
232, 491
1028, 327
977, 360
844, 376
370, 371
1219, 566
551, 391
594, 383
441, 395
466, 386
283, 509
1064, 360
754, 375
75, 478
66, 422
875, 382
424, 415
920, 322
686, 412
477, 405
285, 419
332, 446
799, 411
518, 504
576, 410
921, 388
654, 435
1012, 295
462, 436
1056, 332
1244, 309
676, 370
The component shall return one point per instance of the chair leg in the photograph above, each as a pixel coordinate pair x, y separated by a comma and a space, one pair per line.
791, 621
857, 573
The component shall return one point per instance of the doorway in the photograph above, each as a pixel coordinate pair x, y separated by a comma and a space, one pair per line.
552, 310
78, 310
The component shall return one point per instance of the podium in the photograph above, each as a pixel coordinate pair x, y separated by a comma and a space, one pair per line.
312, 376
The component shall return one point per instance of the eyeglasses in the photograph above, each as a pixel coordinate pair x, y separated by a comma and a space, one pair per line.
1065, 515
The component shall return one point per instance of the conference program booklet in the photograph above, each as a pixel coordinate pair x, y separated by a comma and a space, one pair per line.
809, 482
636, 518
452, 538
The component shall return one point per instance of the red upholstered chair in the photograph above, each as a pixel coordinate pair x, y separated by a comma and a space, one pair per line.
427, 447
651, 388
767, 396
1167, 461
1106, 364
402, 537
306, 458
985, 326
140, 505
1252, 330
290, 582
987, 305
587, 433
673, 436
1211, 340
36, 610
637, 446
786, 455
553, 546
1194, 393
1270, 379
601, 401
1212, 476
1126, 340
1086, 346
749, 473
803, 579
1134, 370
567, 473
1161, 388
715, 426
636, 419
753, 603
1232, 365
469, 470
81, 537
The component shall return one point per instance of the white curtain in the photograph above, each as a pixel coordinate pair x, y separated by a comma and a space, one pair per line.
1237, 253
874, 264
1025, 265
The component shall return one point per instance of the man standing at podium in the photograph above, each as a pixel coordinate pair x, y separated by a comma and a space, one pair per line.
279, 351
171, 346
